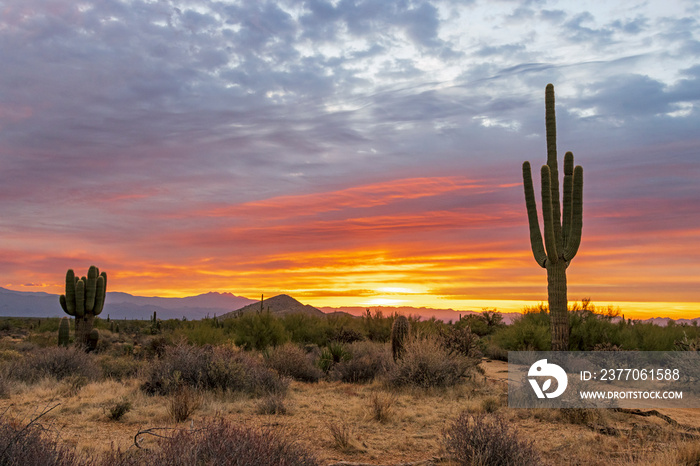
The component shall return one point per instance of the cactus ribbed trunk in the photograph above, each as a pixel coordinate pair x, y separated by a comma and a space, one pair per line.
562, 224
83, 327
558, 302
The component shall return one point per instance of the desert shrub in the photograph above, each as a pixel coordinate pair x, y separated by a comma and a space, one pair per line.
118, 408
493, 351
426, 363
344, 335
461, 340
156, 346
74, 384
487, 440
57, 362
366, 361
331, 355
258, 331
221, 368
27, 443
183, 403
220, 442
119, 368
291, 361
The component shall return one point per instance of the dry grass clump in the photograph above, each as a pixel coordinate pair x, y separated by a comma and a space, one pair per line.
582, 416
220, 442
220, 368
688, 454
381, 406
341, 434
426, 363
490, 404
487, 440
118, 408
57, 362
272, 404
291, 361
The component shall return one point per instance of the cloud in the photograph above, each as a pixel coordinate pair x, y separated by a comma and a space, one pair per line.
176, 135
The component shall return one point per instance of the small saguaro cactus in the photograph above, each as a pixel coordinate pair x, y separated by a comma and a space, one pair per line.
64, 332
399, 334
93, 338
84, 299
562, 224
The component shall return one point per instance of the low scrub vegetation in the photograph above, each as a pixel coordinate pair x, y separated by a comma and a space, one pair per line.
426, 363
188, 371
217, 368
487, 440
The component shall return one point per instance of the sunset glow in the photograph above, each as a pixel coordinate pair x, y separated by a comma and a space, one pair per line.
350, 153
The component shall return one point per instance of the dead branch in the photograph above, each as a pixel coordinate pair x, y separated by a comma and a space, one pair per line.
653, 412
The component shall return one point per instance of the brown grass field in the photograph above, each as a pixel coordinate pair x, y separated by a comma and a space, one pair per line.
409, 429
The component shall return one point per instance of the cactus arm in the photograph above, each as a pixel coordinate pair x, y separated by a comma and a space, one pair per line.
91, 288
551, 131
550, 241
576, 215
567, 197
80, 299
100, 288
64, 305
70, 292
535, 234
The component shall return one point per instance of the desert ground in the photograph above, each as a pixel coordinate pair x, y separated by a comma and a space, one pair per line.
362, 423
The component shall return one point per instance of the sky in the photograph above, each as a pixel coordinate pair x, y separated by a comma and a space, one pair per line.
348, 152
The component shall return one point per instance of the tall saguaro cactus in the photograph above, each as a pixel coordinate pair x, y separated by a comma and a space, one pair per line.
562, 224
84, 299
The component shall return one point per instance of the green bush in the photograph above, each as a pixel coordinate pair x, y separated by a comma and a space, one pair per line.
201, 333
305, 329
377, 328
258, 330
530, 332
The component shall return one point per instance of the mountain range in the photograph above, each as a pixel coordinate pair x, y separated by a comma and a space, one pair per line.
120, 305
124, 306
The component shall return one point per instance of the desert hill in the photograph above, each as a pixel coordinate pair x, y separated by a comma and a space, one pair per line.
278, 305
